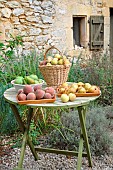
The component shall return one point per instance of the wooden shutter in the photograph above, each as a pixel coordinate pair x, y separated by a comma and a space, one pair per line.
96, 32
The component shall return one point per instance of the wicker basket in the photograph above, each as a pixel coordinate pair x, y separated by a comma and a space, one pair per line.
54, 75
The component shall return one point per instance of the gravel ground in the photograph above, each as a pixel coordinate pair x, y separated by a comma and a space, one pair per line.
52, 161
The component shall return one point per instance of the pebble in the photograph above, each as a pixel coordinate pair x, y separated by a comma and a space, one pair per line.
53, 161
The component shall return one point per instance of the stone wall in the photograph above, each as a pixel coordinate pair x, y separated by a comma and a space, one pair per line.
49, 22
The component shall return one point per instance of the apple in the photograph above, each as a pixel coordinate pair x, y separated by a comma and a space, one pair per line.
64, 57
75, 86
87, 86
61, 62
58, 56
72, 97
66, 61
94, 89
80, 84
64, 84
48, 64
81, 90
71, 90
44, 62
61, 90
54, 61
64, 98
49, 59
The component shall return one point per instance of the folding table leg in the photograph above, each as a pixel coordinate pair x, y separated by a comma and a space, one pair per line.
82, 117
26, 137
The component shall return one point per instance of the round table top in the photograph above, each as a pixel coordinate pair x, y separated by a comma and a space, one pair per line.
10, 96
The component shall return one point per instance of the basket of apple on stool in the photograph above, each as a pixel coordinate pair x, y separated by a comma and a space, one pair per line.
55, 69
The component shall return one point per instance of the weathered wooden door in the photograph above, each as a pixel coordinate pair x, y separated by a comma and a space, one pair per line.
96, 32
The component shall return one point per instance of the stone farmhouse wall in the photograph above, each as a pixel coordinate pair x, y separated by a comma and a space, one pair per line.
49, 22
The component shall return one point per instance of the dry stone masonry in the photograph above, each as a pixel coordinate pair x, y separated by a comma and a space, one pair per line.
50, 22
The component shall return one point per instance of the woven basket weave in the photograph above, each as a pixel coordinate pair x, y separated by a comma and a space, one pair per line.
54, 75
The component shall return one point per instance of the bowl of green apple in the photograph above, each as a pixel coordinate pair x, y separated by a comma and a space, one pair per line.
19, 82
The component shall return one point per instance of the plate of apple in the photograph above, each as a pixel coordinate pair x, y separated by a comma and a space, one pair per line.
80, 89
36, 95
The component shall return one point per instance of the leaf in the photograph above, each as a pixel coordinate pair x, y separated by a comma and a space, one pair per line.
9, 53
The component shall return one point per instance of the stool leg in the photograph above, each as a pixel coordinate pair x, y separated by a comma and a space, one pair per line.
82, 117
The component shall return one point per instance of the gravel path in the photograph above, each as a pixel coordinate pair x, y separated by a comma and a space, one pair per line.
52, 161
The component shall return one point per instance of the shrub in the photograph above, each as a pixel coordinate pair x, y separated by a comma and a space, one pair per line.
98, 71
66, 137
7, 120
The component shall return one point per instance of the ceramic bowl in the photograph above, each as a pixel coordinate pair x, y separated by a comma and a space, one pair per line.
21, 86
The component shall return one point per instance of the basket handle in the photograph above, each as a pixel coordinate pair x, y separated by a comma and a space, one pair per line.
52, 47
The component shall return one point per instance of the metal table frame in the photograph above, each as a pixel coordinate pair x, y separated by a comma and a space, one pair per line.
10, 96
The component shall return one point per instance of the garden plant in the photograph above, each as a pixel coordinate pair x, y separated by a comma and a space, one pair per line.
54, 124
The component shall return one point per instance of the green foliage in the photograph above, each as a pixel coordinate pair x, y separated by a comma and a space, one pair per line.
13, 65
98, 71
8, 123
34, 133
97, 124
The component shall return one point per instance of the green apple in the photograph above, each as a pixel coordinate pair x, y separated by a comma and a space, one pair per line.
18, 81
33, 76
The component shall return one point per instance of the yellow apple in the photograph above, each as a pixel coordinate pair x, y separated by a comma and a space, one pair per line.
66, 61
94, 89
64, 98
54, 61
57, 56
64, 84
48, 64
49, 58
80, 84
87, 86
61, 90
61, 62
75, 86
72, 97
71, 90
81, 90
64, 57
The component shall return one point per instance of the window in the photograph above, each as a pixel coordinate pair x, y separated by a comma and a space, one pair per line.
79, 31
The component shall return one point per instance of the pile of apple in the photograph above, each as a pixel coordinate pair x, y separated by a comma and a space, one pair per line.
74, 88
31, 79
35, 93
57, 59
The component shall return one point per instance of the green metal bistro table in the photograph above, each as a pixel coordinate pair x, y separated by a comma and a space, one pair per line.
80, 103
